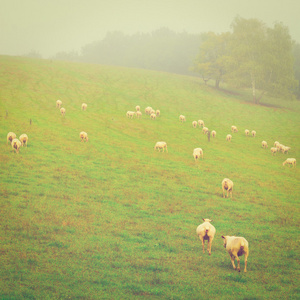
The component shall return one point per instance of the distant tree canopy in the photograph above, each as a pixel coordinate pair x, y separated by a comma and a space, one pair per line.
252, 56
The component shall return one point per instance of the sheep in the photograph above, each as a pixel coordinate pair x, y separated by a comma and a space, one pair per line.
153, 116
276, 143
290, 161
204, 130
138, 114
58, 104
253, 132
285, 149
23, 139
247, 132
138, 108
130, 114
148, 110
161, 145
63, 111
83, 106
227, 184
206, 231
234, 128
213, 133
157, 112
194, 123
274, 150
83, 136
152, 111
236, 246
264, 144
16, 144
228, 137
10, 137
201, 123
197, 153
182, 118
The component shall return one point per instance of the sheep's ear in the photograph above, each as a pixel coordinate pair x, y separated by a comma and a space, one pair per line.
203, 219
223, 237
211, 220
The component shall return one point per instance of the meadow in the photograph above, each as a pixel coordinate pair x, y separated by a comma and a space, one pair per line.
113, 219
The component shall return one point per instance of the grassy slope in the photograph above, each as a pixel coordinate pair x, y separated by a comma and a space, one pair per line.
113, 218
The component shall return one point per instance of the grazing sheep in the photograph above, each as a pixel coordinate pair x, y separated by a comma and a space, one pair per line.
290, 161
58, 104
16, 144
206, 231
201, 123
153, 116
130, 114
182, 118
83, 136
161, 145
213, 133
138, 114
63, 111
247, 132
227, 184
83, 106
194, 123
276, 143
10, 137
197, 153
23, 139
285, 149
157, 112
264, 144
204, 130
274, 150
236, 246
253, 132
148, 110
228, 137
138, 108
234, 128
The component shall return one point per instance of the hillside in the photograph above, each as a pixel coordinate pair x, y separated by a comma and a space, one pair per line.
112, 218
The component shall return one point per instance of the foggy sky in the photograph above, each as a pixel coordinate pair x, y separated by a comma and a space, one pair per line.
52, 26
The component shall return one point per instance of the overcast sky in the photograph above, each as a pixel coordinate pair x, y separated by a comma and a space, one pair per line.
51, 26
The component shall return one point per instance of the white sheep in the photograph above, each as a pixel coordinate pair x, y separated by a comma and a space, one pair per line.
63, 111
206, 231
234, 128
138, 114
285, 149
83, 136
213, 133
253, 132
148, 110
247, 132
290, 161
138, 108
194, 123
130, 114
236, 246
58, 104
10, 137
204, 130
274, 150
153, 116
16, 144
227, 185
83, 106
161, 145
228, 137
197, 153
276, 143
23, 139
201, 123
182, 118
157, 112
264, 144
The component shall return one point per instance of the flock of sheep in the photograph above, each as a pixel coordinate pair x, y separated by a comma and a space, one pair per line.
17, 143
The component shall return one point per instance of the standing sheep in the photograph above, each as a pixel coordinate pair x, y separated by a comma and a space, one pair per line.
197, 153
206, 231
264, 144
182, 118
16, 144
201, 123
23, 139
138, 114
148, 110
138, 108
227, 184
213, 133
204, 130
228, 137
63, 111
234, 128
194, 123
83, 136
83, 106
10, 137
253, 132
290, 161
247, 132
153, 116
274, 150
161, 145
130, 114
58, 104
157, 112
236, 246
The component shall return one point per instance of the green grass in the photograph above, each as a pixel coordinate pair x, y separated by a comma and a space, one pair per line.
111, 218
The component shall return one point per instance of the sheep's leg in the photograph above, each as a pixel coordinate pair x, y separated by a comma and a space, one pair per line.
235, 256
246, 258
202, 240
232, 261
210, 242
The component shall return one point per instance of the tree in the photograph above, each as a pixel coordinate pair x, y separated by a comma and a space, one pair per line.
210, 62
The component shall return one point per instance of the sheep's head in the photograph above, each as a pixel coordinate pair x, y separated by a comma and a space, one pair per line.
207, 220
225, 240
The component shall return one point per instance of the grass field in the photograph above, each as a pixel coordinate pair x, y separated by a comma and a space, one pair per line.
112, 218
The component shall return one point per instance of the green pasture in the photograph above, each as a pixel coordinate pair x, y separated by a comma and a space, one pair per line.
112, 218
